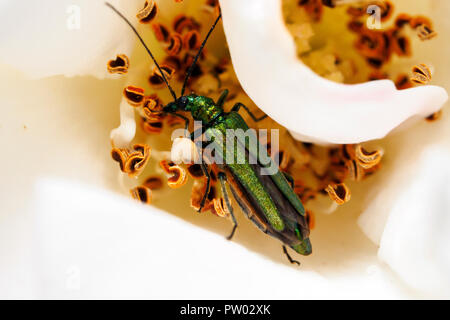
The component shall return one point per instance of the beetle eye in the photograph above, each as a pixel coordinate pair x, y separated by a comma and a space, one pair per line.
182, 102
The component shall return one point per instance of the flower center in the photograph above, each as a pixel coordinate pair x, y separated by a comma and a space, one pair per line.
351, 41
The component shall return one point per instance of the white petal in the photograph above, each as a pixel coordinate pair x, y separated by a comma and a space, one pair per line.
88, 243
399, 167
313, 108
50, 227
416, 240
69, 37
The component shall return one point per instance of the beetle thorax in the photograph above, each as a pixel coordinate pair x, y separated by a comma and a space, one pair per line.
203, 109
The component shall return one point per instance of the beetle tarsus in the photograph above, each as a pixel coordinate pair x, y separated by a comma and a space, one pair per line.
239, 105
223, 179
233, 231
289, 257
222, 98
208, 181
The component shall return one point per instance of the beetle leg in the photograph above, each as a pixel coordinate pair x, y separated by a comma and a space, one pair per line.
222, 98
223, 179
238, 105
186, 120
289, 257
198, 133
208, 181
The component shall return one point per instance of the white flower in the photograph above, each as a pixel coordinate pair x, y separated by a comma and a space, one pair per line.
64, 239
67, 37
294, 96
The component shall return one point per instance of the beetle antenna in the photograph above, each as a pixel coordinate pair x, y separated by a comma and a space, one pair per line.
145, 46
191, 68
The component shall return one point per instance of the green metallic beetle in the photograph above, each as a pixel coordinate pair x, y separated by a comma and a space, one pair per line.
269, 201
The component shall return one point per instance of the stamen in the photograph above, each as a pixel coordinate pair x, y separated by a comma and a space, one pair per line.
146, 14
156, 79
132, 161
334, 3
121, 156
403, 82
178, 176
355, 171
212, 6
152, 126
425, 33
310, 219
153, 183
401, 45
161, 32
182, 23
339, 193
173, 121
142, 194
120, 65
197, 193
370, 171
167, 70
421, 74
420, 21
152, 108
368, 159
174, 62
378, 75
304, 193
195, 171
402, 20
134, 95
313, 8
220, 208
435, 116
191, 40
175, 44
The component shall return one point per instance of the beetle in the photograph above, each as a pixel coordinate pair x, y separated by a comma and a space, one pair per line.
268, 200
